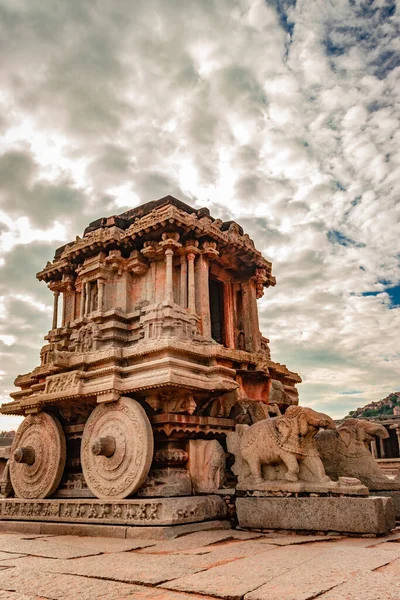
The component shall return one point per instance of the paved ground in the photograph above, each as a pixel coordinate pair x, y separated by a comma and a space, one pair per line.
207, 564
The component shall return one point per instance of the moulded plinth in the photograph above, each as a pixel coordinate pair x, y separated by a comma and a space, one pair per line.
135, 511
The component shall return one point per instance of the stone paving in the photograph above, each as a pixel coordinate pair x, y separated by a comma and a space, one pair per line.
228, 564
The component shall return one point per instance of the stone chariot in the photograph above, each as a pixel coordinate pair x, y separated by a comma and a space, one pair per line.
155, 357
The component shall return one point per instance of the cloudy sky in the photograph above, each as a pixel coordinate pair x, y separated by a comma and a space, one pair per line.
281, 114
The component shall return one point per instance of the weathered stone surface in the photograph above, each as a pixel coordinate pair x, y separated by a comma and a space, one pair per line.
169, 533
132, 568
71, 587
201, 539
6, 556
346, 486
109, 531
207, 465
391, 569
19, 526
281, 447
351, 515
160, 511
239, 577
99, 544
295, 539
368, 586
45, 548
331, 568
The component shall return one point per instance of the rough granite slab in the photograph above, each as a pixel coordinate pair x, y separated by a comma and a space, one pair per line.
127, 567
72, 587
45, 548
351, 515
368, 586
288, 540
392, 568
99, 544
199, 539
331, 568
239, 577
174, 531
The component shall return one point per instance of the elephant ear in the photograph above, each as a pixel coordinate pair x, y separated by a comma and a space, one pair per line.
303, 424
346, 435
284, 426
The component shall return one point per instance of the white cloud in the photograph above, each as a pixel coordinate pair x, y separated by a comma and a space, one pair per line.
283, 115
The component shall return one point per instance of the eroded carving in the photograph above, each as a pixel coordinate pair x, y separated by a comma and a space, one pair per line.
122, 473
207, 465
345, 453
42, 433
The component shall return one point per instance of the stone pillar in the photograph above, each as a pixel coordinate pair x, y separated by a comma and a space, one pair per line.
191, 284
169, 243
83, 300
184, 283
56, 294
100, 297
229, 315
64, 308
397, 428
153, 274
382, 448
169, 292
203, 295
250, 320
191, 249
87, 298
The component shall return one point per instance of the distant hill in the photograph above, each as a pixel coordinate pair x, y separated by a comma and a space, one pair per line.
381, 408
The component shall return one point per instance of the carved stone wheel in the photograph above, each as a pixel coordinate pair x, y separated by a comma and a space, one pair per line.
38, 456
117, 449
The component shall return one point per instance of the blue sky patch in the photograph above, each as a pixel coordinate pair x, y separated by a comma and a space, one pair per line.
337, 237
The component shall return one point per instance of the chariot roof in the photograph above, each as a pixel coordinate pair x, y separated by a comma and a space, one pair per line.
133, 227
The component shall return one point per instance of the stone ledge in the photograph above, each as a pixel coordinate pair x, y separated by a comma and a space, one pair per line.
373, 515
134, 511
167, 532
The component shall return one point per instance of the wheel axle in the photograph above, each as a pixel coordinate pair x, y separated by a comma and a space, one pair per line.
25, 454
104, 446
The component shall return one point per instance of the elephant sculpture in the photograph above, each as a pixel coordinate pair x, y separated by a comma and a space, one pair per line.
279, 447
345, 453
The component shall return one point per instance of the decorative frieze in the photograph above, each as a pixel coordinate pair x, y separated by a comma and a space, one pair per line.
162, 511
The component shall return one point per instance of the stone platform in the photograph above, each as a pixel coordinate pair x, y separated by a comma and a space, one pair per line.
373, 515
141, 512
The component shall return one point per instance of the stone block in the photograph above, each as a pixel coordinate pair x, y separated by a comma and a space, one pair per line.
373, 515
394, 495
332, 568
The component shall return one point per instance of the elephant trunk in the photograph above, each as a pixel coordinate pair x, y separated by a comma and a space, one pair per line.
375, 429
324, 422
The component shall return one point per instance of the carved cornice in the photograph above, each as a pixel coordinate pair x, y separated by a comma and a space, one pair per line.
159, 218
